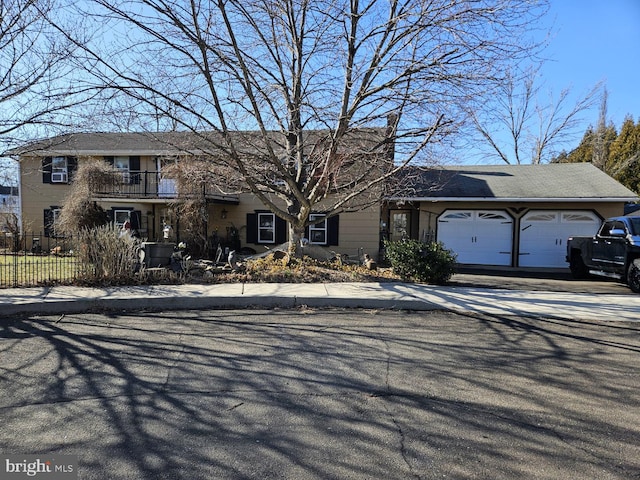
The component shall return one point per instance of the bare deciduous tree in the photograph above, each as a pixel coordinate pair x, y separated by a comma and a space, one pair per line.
600, 147
329, 90
516, 127
35, 73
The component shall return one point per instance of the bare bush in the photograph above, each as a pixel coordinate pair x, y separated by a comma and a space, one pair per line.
79, 212
108, 257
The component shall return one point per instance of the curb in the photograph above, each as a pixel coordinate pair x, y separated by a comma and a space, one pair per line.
134, 304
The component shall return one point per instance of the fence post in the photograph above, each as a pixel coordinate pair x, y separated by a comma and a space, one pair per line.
16, 241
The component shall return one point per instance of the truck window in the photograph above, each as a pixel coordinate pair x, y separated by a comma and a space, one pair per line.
618, 225
605, 229
635, 226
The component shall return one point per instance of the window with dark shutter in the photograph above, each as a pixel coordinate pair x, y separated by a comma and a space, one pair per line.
50, 217
317, 231
266, 227
134, 170
252, 228
120, 215
46, 170
72, 166
263, 227
333, 230
324, 231
59, 170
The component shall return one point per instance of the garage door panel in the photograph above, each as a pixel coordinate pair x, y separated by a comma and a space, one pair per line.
543, 236
483, 237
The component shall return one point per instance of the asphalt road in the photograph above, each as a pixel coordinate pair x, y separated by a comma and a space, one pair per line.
323, 395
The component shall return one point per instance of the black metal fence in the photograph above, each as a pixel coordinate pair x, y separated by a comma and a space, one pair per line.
28, 260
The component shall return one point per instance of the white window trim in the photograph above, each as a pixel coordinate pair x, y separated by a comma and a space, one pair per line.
59, 174
115, 216
271, 229
124, 170
318, 219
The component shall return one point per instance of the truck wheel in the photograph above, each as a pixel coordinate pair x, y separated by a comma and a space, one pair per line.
633, 275
577, 266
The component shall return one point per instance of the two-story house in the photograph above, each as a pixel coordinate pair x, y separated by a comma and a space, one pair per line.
500, 216
149, 188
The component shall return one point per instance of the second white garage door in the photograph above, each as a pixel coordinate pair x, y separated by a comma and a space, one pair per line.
480, 237
543, 235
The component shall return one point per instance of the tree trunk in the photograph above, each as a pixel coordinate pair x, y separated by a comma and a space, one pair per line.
296, 236
297, 227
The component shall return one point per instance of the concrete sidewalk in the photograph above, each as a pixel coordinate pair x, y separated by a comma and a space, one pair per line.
399, 296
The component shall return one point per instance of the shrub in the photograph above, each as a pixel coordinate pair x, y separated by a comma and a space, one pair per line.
108, 257
419, 261
79, 211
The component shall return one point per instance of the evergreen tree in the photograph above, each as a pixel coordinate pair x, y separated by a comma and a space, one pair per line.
624, 155
584, 151
622, 151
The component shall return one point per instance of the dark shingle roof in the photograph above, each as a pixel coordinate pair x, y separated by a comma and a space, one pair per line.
81, 144
557, 181
176, 143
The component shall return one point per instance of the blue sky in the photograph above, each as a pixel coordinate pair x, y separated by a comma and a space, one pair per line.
592, 41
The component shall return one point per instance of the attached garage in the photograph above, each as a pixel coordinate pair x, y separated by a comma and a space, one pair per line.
481, 237
507, 215
543, 235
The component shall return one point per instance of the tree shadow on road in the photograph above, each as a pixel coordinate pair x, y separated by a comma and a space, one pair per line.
315, 394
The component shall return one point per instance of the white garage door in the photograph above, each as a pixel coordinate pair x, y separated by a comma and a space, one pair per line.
543, 236
480, 237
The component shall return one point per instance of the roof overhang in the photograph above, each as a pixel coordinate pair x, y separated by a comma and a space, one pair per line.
513, 200
219, 199
113, 153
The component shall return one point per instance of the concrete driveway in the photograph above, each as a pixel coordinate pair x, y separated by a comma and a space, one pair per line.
550, 281
323, 394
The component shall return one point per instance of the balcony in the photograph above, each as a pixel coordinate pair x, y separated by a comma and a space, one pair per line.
154, 186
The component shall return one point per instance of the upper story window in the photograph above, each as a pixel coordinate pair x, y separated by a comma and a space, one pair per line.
59, 170
123, 165
127, 166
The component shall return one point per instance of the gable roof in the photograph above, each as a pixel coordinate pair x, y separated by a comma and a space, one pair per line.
181, 143
561, 182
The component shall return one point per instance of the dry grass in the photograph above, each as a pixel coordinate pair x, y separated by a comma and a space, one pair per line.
103, 258
307, 270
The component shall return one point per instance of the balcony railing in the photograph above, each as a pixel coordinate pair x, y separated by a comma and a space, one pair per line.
153, 185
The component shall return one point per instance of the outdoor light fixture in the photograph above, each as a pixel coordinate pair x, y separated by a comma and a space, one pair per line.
223, 214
